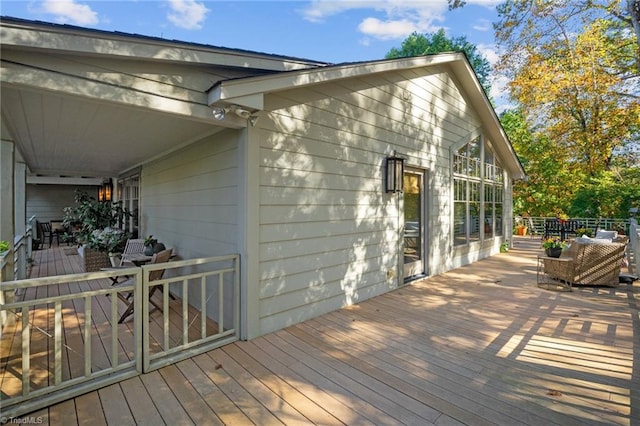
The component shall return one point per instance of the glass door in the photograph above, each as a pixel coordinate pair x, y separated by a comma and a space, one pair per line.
414, 218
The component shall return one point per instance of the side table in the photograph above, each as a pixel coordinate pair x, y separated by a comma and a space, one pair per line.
547, 282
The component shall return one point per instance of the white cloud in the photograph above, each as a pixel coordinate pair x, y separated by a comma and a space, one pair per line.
392, 19
386, 30
489, 52
187, 14
482, 25
486, 3
68, 11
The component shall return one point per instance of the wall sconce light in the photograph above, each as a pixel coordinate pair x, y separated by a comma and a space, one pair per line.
105, 192
219, 113
395, 173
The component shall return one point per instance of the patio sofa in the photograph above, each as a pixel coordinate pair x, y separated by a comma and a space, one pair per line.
588, 261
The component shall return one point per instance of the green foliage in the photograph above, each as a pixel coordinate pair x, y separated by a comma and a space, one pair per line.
4, 246
96, 223
574, 70
553, 242
426, 44
554, 187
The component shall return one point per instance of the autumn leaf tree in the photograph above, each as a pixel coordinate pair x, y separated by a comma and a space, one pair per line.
574, 72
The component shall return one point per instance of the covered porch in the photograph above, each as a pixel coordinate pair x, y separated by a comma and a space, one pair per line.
482, 344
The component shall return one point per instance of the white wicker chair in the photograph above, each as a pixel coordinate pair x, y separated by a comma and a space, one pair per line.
133, 247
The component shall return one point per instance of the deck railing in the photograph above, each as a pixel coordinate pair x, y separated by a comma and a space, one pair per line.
630, 227
64, 338
634, 244
14, 265
587, 222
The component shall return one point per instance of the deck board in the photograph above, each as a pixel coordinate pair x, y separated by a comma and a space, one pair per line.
479, 345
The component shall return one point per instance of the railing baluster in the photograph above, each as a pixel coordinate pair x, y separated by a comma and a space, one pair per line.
26, 350
87, 336
114, 330
220, 302
57, 336
165, 315
185, 312
203, 307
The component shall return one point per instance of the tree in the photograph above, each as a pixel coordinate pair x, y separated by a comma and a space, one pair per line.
526, 20
574, 68
567, 90
426, 44
548, 188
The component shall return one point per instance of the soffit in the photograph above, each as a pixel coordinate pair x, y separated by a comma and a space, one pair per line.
73, 136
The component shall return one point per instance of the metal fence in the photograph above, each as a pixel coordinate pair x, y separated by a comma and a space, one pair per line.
588, 222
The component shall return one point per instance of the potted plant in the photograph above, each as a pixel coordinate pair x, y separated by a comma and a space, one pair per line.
149, 242
96, 230
109, 240
584, 231
553, 246
152, 246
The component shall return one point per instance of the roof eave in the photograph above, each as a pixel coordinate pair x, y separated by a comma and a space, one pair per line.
249, 92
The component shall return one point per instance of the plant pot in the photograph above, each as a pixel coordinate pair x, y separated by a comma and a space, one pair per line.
553, 251
95, 260
154, 248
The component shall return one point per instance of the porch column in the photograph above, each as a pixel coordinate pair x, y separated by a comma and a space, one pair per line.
6, 215
249, 231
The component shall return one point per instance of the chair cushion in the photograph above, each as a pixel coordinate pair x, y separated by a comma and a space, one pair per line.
610, 235
587, 240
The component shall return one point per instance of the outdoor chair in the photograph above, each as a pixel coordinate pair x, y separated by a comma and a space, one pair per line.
47, 234
133, 247
592, 263
127, 297
533, 229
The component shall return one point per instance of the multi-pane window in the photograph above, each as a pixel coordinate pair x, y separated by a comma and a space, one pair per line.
478, 194
129, 194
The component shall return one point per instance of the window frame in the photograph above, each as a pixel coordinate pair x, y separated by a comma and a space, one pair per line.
477, 174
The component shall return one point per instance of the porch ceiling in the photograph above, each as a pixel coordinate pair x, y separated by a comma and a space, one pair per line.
64, 135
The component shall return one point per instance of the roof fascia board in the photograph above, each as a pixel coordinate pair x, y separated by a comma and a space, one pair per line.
92, 42
465, 77
461, 71
254, 101
229, 90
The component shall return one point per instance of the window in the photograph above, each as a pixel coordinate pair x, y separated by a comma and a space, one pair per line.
129, 194
477, 193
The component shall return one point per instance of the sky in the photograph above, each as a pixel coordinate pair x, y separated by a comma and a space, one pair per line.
332, 31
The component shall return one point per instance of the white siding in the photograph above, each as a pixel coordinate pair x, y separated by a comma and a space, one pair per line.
328, 232
189, 199
47, 202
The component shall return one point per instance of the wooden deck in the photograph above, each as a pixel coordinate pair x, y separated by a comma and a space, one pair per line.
478, 345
